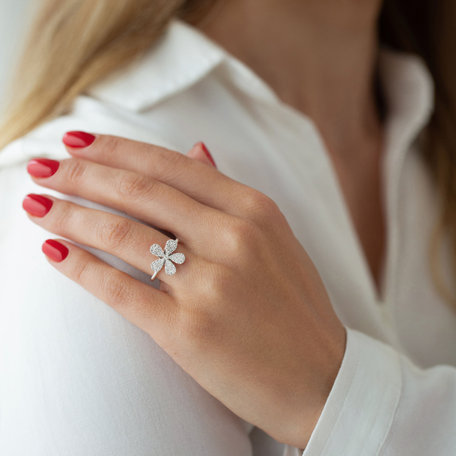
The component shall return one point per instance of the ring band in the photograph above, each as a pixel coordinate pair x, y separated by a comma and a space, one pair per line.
166, 257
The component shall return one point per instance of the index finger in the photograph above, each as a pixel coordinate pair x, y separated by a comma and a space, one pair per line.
201, 182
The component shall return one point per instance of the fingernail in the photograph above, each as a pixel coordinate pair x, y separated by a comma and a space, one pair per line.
54, 250
78, 139
208, 154
36, 205
42, 167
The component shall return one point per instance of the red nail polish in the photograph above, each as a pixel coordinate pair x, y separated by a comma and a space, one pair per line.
55, 250
36, 205
42, 167
78, 139
208, 154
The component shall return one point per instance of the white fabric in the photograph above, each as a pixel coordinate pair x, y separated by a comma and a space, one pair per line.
78, 379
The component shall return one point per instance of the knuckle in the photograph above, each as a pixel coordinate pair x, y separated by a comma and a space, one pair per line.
218, 282
82, 271
109, 145
115, 291
76, 170
257, 205
172, 165
111, 287
239, 235
172, 157
63, 217
200, 320
195, 326
134, 185
114, 232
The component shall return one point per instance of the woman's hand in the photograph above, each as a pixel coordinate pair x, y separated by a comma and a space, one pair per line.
246, 314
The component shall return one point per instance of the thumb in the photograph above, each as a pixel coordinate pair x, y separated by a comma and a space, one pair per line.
200, 152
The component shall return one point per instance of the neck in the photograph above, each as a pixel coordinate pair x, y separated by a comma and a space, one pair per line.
318, 56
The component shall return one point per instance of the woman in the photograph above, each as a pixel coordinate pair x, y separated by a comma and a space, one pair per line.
293, 308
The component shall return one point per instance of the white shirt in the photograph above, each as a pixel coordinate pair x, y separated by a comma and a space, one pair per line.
76, 378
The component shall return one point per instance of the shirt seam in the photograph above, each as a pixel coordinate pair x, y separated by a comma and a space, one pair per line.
396, 407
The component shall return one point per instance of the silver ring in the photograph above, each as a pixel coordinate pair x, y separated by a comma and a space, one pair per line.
166, 257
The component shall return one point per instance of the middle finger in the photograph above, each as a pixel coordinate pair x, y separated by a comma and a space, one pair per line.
127, 239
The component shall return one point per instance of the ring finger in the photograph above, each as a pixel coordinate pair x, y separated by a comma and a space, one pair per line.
127, 239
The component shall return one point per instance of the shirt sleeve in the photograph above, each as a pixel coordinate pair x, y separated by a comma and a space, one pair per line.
382, 404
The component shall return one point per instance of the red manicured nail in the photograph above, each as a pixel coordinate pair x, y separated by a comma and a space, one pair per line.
78, 139
42, 167
36, 205
208, 154
54, 250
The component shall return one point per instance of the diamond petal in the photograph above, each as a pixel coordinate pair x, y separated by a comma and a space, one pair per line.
170, 269
178, 258
157, 264
171, 245
156, 250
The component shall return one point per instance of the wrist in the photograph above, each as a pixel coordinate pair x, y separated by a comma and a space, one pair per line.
301, 428
306, 419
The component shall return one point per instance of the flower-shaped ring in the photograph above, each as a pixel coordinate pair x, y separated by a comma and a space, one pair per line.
167, 257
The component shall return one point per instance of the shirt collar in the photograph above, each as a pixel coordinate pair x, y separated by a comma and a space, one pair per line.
184, 56
180, 58
408, 88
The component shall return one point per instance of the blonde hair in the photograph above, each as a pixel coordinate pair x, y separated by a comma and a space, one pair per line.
74, 43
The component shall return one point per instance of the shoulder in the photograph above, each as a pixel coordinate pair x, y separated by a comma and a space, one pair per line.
87, 114
117, 103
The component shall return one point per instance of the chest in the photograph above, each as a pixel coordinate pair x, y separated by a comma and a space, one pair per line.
360, 184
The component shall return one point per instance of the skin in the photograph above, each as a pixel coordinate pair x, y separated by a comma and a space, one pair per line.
319, 57
258, 335
252, 325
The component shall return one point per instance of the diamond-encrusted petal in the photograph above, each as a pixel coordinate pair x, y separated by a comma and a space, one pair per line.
156, 250
157, 264
171, 245
178, 258
170, 269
